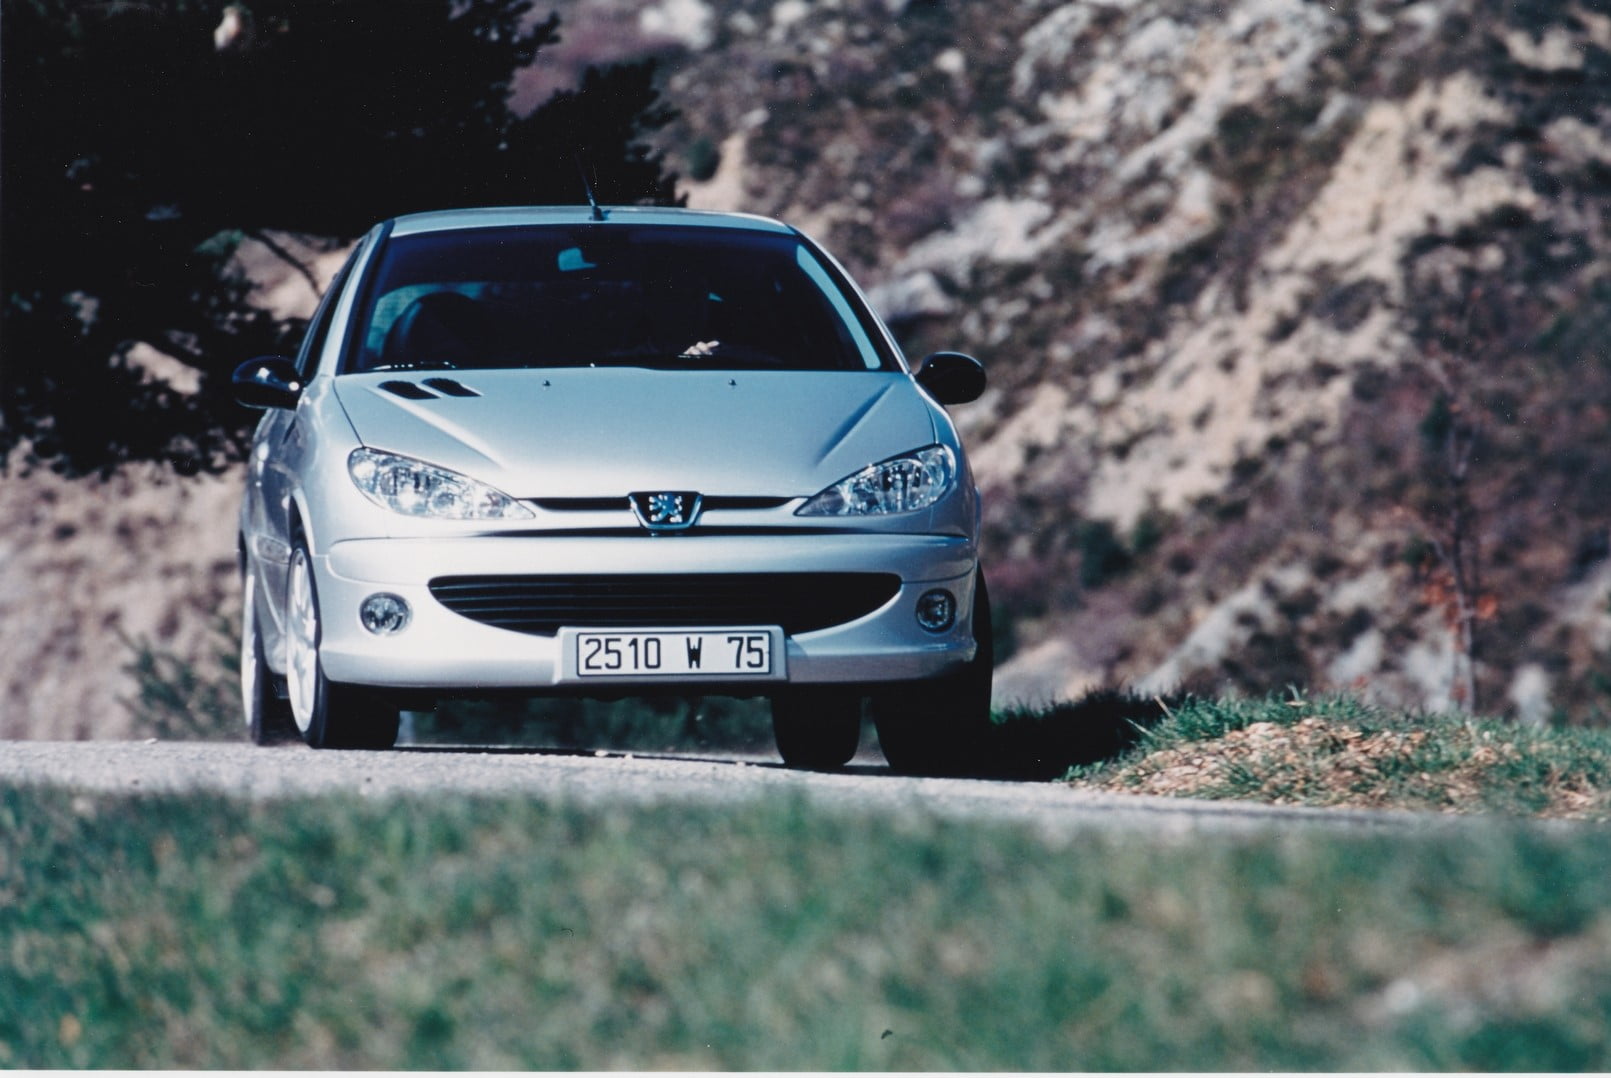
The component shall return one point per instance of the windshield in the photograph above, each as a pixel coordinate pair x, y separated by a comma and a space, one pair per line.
610, 295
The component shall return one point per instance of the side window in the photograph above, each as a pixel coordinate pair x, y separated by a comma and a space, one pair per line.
319, 328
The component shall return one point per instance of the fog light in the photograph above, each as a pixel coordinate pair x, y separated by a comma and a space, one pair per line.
384, 614
937, 611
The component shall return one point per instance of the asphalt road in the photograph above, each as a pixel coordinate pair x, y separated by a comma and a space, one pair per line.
867, 786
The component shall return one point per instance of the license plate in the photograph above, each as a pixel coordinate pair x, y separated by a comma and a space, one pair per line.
717, 653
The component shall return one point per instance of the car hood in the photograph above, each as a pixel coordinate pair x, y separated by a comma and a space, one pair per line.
588, 433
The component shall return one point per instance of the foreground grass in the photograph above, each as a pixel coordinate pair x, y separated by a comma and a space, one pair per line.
1338, 752
168, 932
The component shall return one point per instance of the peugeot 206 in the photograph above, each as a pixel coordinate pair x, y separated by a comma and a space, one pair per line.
611, 452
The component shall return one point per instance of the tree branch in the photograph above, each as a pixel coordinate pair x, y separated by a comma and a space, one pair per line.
287, 257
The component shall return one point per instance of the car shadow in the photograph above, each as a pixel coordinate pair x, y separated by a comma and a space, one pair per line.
1022, 745
1041, 744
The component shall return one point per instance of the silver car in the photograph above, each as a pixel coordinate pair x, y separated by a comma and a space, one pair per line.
611, 452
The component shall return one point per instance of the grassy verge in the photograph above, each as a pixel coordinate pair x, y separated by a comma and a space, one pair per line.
1339, 752
508, 934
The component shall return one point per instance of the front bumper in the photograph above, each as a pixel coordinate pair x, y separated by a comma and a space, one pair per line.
445, 651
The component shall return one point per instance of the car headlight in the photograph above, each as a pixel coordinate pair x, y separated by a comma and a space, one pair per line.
900, 485
417, 489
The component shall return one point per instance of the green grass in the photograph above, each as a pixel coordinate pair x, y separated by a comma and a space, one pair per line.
168, 932
1337, 751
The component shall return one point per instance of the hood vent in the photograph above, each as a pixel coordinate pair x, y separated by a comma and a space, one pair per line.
408, 390
450, 387
416, 391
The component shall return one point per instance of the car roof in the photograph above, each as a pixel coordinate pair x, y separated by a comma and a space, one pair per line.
508, 216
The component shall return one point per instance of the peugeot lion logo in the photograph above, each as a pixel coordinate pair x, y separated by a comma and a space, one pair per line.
667, 510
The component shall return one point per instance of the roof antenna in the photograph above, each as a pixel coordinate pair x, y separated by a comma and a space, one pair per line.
592, 199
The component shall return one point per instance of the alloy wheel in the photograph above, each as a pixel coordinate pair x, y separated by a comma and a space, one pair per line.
250, 686
302, 641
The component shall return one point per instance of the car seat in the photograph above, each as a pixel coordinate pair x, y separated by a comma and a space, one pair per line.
438, 329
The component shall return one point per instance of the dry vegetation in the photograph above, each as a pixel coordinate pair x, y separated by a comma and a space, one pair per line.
1339, 753
1315, 763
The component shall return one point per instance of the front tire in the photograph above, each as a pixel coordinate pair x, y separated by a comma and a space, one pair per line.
941, 726
330, 715
268, 718
817, 729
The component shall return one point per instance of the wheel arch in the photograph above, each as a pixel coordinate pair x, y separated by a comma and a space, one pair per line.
296, 523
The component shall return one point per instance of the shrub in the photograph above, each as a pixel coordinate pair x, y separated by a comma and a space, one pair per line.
703, 158
1102, 555
183, 700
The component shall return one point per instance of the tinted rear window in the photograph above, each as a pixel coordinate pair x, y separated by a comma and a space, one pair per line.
610, 295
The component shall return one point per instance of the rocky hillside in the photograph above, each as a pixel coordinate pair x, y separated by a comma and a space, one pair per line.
1296, 314
1297, 318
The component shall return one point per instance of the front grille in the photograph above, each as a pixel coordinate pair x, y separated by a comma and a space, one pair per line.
799, 602
707, 504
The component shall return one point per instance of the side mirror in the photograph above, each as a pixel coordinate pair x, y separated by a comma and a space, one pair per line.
267, 382
951, 377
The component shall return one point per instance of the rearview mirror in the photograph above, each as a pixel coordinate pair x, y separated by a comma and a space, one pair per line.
951, 377
267, 382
